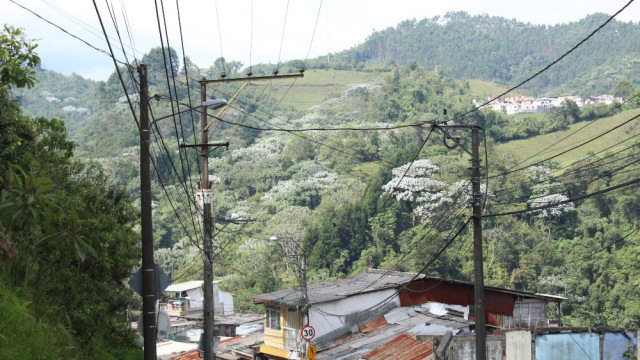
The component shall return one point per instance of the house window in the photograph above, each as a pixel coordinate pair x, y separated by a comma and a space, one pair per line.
273, 318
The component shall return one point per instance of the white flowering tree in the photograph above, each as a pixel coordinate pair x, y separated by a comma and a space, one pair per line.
554, 211
415, 183
300, 191
545, 191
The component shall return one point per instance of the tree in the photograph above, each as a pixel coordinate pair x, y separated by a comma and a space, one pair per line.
623, 89
161, 64
416, 183
71, 232
18, 59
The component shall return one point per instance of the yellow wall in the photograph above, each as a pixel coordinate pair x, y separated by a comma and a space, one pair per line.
272, 337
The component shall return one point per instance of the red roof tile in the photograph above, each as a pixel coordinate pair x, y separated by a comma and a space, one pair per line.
404, 347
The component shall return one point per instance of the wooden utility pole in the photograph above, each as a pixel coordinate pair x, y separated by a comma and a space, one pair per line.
148, 275
476, 204
478, 266
207, 211
207, 222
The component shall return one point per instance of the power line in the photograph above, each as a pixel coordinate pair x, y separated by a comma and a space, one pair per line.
587, 166
224, 71
604, 175
284, 25
553, 62
74, 36
131, 104
566, 151
186, 74
584, 180
550, 205
313, 35
611, 111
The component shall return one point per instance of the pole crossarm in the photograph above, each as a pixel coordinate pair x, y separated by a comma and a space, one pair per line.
252, 78
216, 144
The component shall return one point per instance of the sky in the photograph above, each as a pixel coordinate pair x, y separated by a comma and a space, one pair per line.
249, 31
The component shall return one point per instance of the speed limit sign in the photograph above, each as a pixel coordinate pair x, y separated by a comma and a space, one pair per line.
308, 332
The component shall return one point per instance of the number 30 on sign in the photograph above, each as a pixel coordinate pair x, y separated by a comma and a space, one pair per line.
308, 332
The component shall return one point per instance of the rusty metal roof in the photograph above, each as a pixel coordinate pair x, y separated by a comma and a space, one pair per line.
373, 324
404, 347
369, 281
502, 290
349, 343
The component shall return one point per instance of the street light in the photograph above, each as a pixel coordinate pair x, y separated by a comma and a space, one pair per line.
303, 271
213, 103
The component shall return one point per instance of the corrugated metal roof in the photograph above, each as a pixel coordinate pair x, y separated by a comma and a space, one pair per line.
502, 290
352, 347
449, 321
334, 337
373, 324
191, 355
179, 287
404, 347
396, 315
369, 281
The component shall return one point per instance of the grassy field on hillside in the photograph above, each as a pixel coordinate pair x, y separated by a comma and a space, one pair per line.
483, 89
316, 86
577, 134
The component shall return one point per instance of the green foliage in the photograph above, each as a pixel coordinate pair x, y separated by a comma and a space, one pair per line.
321, 192
17, 59
504, 51
71, 241
23, 336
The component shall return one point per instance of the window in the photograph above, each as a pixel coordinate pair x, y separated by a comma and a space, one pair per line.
273, 318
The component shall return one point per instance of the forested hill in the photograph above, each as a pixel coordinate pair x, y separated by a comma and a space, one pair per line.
507, 51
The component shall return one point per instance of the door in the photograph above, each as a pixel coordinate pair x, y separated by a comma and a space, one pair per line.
292, 329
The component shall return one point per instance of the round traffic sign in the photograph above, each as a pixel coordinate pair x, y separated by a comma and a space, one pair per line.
308, 332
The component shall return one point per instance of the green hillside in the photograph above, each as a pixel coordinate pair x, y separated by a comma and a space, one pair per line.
506, 51
317, 86
340, 165
560, 141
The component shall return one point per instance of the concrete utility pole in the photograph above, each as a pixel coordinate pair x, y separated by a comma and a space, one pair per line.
148, 275
478, 266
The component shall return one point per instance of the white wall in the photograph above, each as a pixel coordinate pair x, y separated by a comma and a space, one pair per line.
195, 296
323, 323
518, 345
225, 303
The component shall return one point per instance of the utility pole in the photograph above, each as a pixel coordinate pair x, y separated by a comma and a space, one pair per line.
148, 276
207, 211
303, 270
207, 226
476, 198
478, 266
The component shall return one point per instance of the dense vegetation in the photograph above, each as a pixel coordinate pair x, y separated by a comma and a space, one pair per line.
341, 196
505, 51
66, 236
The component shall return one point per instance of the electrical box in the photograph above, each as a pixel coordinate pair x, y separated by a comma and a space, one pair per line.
203, 198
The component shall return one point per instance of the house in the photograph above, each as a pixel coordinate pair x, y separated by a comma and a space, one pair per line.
505, 308
187, 298
335, 308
